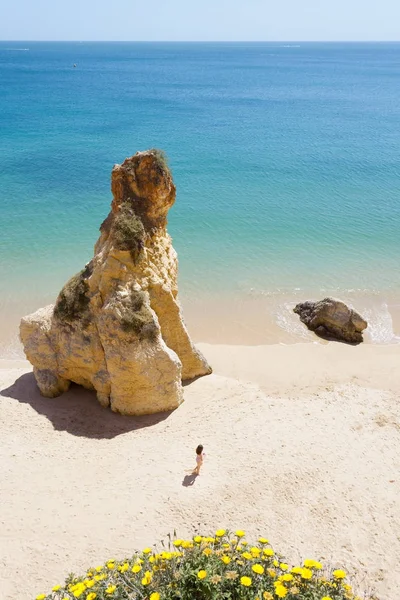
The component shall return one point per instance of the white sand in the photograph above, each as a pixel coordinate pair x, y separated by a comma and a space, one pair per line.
302, 442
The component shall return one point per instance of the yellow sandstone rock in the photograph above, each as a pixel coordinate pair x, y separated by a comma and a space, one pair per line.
117, 325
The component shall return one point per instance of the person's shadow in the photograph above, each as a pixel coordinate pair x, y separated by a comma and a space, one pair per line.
189, 480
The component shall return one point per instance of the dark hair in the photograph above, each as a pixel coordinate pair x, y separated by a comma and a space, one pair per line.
199, 449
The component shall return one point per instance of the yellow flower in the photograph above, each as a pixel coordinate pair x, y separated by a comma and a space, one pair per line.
197, 539
255, 552
263, 541
123, 568
147, 550
177, 543
312, 564
309, 563
271, 573
111, 589
155, 596
339, 574
244, 543
246, 581
259, 569
202, 574
147, 578
247, 555
98, 569
220, 532
326, 598
268, 552
306, 574
110, 564
78, 589
297, 570
99, 577
41, 597
55, 588
268, 596
287, 577
207, 551
280, 591
91, 596
284, 566
225, 559
240, 533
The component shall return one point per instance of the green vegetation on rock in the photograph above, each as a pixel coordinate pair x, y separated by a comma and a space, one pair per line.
138, 319
73, 302
161, 159
128, 231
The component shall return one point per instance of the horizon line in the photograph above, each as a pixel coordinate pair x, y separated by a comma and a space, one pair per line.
283, 41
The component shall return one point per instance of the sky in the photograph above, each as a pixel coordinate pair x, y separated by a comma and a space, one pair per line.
200, 20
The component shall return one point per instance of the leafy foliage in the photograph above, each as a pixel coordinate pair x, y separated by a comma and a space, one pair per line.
218, 567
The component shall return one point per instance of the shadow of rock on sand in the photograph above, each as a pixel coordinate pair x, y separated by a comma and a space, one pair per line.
78, 411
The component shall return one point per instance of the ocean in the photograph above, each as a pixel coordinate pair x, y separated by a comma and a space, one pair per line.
286, 158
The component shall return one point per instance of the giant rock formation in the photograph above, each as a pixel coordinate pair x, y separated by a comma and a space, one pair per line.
116, 326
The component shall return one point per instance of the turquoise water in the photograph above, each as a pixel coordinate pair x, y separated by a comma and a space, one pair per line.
286, 159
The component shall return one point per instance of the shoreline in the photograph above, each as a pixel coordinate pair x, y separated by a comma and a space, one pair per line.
244, 319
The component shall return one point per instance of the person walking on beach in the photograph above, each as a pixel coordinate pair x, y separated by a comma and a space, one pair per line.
199, 459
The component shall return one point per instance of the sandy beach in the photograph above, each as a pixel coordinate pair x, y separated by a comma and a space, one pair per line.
302, 442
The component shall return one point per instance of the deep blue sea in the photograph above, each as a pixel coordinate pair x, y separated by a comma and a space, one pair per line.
286, 159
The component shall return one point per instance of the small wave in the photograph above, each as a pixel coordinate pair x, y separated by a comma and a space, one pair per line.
294, 292
290, 46
17, 49
290, 322
380, 325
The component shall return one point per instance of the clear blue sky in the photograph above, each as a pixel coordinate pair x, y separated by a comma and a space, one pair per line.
256, 20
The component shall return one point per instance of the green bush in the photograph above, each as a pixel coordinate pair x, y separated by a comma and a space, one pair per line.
161, 159
137, 318
128, 231
220, 567
73, 302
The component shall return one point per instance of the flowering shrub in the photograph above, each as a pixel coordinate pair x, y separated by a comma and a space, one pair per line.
219, 567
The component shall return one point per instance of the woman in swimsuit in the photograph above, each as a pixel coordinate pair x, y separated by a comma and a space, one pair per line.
199, 459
